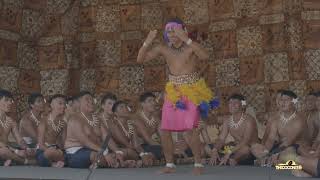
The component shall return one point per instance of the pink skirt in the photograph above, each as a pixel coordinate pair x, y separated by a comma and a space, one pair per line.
174, 119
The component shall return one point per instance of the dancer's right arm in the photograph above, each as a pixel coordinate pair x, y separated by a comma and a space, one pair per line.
145, 54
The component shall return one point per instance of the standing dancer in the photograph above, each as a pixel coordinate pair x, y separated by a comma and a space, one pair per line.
187, 95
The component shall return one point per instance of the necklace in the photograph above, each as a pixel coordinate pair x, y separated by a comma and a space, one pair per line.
4, 122
128, 132
234, 125
285, 120
35, 119
151, 122
57, 128
94, 121
177, 50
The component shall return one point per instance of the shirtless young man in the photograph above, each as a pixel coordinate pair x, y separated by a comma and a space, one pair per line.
52, 132
106, 113
287, 126
72, 106
7, 126
147, 123
268, 120
181, 106
30, 121
84, 137
243, 128
124, 133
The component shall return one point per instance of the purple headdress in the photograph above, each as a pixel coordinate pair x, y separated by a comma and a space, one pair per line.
170, 25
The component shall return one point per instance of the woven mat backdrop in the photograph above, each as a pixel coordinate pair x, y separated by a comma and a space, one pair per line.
63, 46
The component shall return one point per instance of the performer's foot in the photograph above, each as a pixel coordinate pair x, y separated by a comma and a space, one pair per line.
7, 163
130, 164
232, 162
59, 164
139, 164
167, 170
197, 171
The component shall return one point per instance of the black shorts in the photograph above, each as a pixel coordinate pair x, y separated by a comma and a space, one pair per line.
156, 150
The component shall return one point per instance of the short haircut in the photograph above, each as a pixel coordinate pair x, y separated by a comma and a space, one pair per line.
237, 96
115, 106
33, 97
145, 96
5, 94
317, 94
83, 93
289, 93
56, 96
107, 96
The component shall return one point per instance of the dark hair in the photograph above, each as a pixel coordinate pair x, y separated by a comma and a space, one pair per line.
312, 93
317, 94
289, 93
107, 96
5, 93
70, 99
280, 91
56, 96
237, 96
83, 93
115, 105
33, 97
145, 96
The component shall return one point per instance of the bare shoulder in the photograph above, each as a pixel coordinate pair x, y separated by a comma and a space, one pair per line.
300, 118
11, 121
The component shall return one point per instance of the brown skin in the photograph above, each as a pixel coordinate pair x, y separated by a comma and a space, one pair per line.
269, 119
71, 108
245, 135
80, 133
48, 135
291, 133
179, 64
131, 145
311, 133
28, 127
6, 152
144, 131
106, 116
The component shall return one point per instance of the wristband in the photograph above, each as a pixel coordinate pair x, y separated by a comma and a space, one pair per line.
189, 42
143, 154
16, 151
105, 152
119, 152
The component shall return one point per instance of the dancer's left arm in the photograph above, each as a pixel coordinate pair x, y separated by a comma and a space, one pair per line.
201, 53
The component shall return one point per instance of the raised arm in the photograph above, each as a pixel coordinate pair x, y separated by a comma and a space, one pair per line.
145, 53
200, 52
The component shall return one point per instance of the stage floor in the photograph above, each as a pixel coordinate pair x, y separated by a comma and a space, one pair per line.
183, 173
